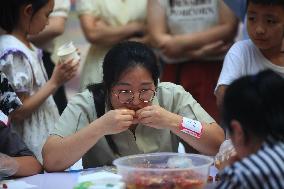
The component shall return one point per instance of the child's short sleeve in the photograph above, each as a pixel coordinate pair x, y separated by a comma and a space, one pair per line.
9, 101
87, 7
18, 71
61, 8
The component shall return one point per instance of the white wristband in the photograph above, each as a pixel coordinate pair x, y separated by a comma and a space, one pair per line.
191, 127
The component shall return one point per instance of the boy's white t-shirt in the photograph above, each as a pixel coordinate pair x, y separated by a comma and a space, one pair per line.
244, 58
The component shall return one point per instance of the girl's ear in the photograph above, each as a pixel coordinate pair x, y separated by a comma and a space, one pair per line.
28, 10
237, 134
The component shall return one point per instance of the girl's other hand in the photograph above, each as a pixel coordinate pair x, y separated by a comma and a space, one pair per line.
157, 117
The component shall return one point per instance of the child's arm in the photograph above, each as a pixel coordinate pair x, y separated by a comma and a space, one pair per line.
61, 74
218, 48
220, 94
157, 23
28, 165
99, 32
15, 158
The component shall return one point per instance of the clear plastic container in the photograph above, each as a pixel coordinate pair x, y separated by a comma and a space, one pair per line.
8, 166
147, 171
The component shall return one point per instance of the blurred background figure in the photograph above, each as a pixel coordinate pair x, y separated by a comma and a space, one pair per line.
105, 23
46, 41
192, 38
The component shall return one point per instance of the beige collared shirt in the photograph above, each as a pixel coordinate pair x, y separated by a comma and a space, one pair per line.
81, 111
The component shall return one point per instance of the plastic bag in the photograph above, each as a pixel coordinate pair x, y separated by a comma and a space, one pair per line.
8, 165
226, 151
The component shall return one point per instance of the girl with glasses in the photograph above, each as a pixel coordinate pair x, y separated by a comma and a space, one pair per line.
130, 112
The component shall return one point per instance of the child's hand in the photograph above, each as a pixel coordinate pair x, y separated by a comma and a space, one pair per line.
64, 72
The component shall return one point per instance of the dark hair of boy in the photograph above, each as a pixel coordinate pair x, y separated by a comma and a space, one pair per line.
266, 2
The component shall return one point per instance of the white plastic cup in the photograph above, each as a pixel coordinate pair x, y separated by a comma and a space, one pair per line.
67, 52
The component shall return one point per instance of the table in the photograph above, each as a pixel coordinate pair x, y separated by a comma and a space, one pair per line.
67, 180
64, 180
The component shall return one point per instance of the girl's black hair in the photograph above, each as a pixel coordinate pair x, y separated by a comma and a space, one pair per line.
10, 9
127, 55
257, 103
266, 2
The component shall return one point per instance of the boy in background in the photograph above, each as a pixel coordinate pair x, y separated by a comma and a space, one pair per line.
265, 24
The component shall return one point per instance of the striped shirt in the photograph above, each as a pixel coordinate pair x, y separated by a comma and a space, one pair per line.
264, 169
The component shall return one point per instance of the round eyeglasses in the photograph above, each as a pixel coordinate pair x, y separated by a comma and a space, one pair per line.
127, 96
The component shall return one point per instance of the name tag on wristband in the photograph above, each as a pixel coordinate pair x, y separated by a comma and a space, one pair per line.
4, 119
191, 127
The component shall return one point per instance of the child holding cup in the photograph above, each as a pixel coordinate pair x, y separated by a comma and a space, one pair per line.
22, 63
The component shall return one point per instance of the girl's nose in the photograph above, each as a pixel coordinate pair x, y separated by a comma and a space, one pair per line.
136, 99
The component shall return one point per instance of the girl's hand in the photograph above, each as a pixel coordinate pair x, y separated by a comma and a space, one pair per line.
157, 117
63, 72
116, 121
